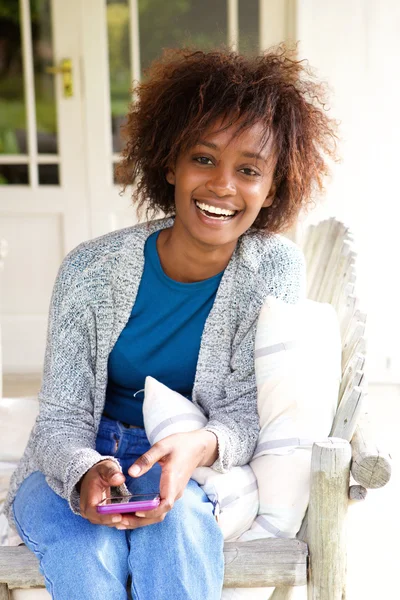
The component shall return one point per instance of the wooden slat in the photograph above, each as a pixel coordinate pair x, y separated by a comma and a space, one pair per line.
344, 274
330, 275
353, 342
265, 563
356, 363
260, 563
347, 414
282, 593
359, 347
356, 380
4, 593
347, 308
19, 568
324, 235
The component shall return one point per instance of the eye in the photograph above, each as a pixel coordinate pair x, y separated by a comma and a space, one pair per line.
203, 160
250, 172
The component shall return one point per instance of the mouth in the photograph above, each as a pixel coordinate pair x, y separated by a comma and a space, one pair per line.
215, 212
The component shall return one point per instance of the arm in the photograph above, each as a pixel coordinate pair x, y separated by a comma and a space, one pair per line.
234, 418
63, 438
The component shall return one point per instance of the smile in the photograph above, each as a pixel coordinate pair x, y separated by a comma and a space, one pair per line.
215, 212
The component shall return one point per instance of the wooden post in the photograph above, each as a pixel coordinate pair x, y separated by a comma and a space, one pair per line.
4, 593
282, 593
330, 474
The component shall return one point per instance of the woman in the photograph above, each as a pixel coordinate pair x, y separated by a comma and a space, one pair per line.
230, 149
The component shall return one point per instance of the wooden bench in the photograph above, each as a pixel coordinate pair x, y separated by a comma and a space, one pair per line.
317, 557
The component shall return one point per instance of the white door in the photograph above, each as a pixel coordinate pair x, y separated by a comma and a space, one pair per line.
59, 145
44, 209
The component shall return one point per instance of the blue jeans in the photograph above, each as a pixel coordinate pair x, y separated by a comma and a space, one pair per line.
180, 558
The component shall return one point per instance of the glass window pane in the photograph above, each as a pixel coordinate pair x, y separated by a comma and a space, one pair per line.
120, 67
49, 175
248, 27
12, 103
115, 176
14, 175
43, 57
179, 23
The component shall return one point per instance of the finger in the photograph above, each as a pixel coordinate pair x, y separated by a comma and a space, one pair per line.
147, 460
110, 474
108, 520
165, 506
136, 522
170, 486
99, 487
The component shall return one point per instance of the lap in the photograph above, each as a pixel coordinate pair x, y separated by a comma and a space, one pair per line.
43, 517
188, 541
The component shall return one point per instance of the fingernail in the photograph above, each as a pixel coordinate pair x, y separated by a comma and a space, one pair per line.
116, 519
134, 470
121, 527
140, 514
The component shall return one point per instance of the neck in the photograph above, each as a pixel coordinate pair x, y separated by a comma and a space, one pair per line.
185, 259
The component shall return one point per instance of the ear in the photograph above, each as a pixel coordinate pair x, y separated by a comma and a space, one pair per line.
271, 197
170, 176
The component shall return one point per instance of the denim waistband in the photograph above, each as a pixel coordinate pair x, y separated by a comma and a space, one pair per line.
116, 439
113, 426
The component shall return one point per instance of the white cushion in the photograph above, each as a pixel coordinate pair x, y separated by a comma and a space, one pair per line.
17, 417
234, 494
298, 372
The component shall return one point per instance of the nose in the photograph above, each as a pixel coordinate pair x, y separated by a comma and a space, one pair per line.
221, 182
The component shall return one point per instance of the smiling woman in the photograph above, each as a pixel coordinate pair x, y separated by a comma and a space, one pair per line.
230, 149
221, 184
187, 94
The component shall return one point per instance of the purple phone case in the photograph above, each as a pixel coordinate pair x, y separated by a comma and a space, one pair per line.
129, 507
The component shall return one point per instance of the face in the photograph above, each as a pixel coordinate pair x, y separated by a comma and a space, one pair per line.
222, 183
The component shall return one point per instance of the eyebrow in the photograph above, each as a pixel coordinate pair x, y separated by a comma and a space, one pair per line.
255, 155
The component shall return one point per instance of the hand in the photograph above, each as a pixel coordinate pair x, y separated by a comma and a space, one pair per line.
179, 455
94, 487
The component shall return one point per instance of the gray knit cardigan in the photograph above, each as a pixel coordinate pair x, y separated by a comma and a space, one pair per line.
91, 303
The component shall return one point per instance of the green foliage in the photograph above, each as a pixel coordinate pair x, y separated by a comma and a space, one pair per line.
9, 9
162, 24
118, 38
8, 142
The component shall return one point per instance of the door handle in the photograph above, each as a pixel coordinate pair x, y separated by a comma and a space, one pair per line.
64, 69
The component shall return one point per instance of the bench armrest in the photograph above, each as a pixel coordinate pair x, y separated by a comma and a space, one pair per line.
370, 466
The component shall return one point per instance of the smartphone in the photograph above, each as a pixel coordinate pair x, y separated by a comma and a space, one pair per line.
128, 504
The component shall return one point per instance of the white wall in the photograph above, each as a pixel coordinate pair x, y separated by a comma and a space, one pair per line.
355, 46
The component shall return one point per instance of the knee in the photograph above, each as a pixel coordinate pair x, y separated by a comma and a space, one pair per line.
193, 507
33, 500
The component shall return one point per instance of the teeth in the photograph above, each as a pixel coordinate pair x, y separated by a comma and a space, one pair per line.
215, 209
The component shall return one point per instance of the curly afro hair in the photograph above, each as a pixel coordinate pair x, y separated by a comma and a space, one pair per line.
186, 91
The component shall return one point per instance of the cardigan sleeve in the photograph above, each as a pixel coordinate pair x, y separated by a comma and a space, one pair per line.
234, 419
63, 438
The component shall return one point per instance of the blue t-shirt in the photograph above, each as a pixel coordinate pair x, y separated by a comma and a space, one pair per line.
161, 339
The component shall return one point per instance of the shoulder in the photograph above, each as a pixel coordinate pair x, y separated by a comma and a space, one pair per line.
107, 250
278, 264
261, 251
